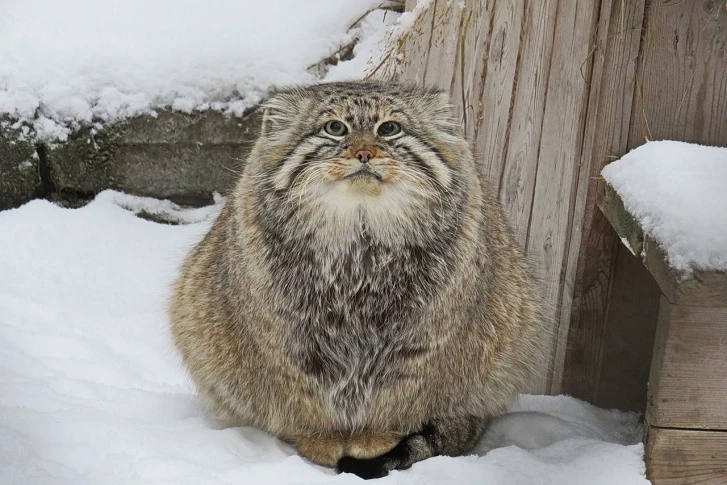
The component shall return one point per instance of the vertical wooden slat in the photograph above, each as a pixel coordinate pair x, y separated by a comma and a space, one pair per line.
497, 86
560, 147
682, 88
443, 45
521, 161
471, 58
407, 57
593, 242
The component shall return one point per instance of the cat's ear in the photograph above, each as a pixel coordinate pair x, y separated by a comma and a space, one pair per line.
281, 111
437, 106
439, 101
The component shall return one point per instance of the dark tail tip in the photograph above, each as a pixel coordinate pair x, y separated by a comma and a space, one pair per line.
365, 468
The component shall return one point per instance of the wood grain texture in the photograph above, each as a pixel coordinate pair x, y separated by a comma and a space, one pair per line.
560, 149
702, 288
517, 185
688, 379
496, 92
625, 225
443, 45
406, 58
472, 56
682, 88
593, 243
685, 457
549, 91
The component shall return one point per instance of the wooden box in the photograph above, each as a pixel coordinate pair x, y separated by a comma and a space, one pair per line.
686, 411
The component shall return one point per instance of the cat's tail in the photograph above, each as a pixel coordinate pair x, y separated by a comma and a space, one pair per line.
451, 437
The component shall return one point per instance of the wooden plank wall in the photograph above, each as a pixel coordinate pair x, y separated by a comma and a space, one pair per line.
666, 79
548, 92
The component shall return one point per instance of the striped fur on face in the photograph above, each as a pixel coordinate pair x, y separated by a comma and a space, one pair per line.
341, 153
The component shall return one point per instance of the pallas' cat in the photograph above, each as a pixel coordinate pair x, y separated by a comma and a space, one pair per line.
360, 295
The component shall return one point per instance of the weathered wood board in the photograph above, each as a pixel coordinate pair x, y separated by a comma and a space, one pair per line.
686, 457
681, 91
703, 288
688, 380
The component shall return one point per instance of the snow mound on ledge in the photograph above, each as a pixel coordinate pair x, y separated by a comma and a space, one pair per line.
80, 61
678, 193
93, 393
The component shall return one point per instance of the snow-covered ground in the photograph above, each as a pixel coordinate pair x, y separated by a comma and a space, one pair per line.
91, 389
678, 193
92, 392
80, 61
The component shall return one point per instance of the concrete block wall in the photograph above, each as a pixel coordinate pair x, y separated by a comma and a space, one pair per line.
173, 155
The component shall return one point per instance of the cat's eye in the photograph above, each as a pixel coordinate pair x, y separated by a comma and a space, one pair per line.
389, 128
335, 128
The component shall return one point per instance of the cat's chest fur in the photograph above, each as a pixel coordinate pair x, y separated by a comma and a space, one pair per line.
355, 313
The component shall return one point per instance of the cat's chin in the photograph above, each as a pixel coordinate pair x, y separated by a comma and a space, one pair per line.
364, 185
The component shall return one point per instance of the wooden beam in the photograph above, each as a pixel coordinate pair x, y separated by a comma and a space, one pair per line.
686, 457
703, 288
688, 379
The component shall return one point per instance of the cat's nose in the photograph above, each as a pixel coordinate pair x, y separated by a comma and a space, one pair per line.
364, 155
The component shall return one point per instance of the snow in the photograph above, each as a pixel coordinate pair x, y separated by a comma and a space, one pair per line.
92, 391
408, 20
368, 53
626, 243
83, 61
678, 193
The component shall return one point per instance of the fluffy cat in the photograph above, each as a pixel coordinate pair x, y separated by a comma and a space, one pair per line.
360, 295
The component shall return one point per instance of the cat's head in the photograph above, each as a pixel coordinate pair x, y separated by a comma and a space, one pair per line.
381, 150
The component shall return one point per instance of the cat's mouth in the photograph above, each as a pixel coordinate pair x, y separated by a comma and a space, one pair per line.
363, 174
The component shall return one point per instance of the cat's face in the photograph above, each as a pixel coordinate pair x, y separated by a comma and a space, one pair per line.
343, 147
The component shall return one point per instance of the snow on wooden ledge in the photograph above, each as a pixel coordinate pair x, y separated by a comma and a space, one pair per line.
677, 192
